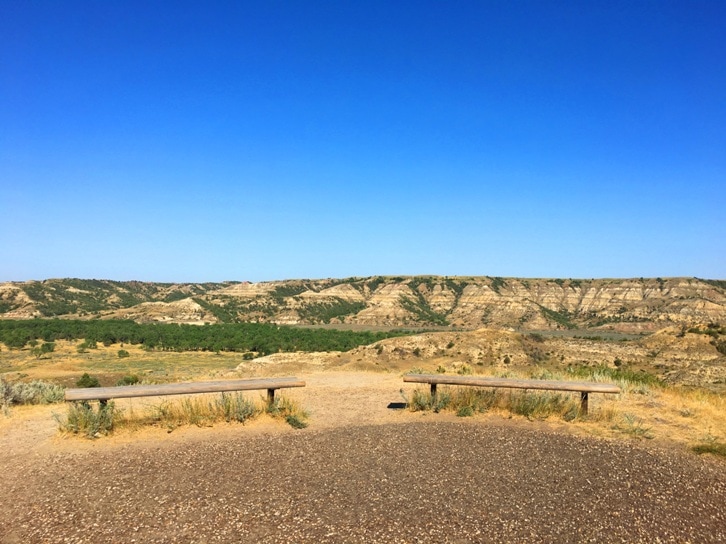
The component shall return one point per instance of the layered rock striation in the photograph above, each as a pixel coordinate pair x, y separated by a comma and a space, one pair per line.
625, 305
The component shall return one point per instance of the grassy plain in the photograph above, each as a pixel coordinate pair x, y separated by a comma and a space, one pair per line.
65, 365
660, 414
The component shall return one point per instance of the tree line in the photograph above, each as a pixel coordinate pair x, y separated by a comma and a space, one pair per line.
260, 338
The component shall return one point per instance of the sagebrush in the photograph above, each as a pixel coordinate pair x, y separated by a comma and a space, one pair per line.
35, 392
83, 418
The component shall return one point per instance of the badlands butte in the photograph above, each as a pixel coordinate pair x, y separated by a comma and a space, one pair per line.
672, 327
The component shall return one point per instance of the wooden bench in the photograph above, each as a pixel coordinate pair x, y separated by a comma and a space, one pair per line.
584, 388
103, 394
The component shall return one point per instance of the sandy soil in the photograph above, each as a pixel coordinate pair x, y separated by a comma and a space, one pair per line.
361, 472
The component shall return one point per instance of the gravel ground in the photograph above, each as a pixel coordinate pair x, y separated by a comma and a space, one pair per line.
426, 481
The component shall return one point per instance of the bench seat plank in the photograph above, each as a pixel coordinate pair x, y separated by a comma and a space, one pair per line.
554, 385
130, 391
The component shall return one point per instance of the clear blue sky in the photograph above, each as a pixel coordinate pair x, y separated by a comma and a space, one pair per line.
209, 141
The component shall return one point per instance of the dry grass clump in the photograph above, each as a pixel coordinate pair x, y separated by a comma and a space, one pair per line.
82, 418
700, 415
646, 408
466, 401
634, 426
202, 411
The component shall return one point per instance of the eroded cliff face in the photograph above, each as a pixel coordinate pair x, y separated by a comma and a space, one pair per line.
180, 311
620, 304
626, 305
15, 303
383, 307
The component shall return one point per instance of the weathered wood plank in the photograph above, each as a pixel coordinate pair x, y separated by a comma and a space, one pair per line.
481, 381
130, 391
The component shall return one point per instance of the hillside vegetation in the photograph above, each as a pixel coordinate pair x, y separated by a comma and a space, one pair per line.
625, 305
252, 338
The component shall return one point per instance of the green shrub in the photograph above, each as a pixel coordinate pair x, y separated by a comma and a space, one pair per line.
131, 379
43, 349
88, 381
286, 409
720, 346
715, 448
236, 407
84, 346
123, 353
441, 401
295, 421
83, 419
422, 401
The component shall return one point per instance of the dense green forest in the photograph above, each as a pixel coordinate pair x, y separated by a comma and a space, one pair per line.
260, 338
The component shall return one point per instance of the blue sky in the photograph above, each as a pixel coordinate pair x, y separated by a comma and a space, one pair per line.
210, 141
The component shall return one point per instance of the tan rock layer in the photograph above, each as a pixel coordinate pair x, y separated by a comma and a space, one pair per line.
629, 305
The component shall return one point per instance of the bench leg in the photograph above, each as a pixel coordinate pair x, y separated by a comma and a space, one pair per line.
433, 391
270, 397
583, 403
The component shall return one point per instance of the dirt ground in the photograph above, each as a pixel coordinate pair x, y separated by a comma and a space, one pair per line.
363, 471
